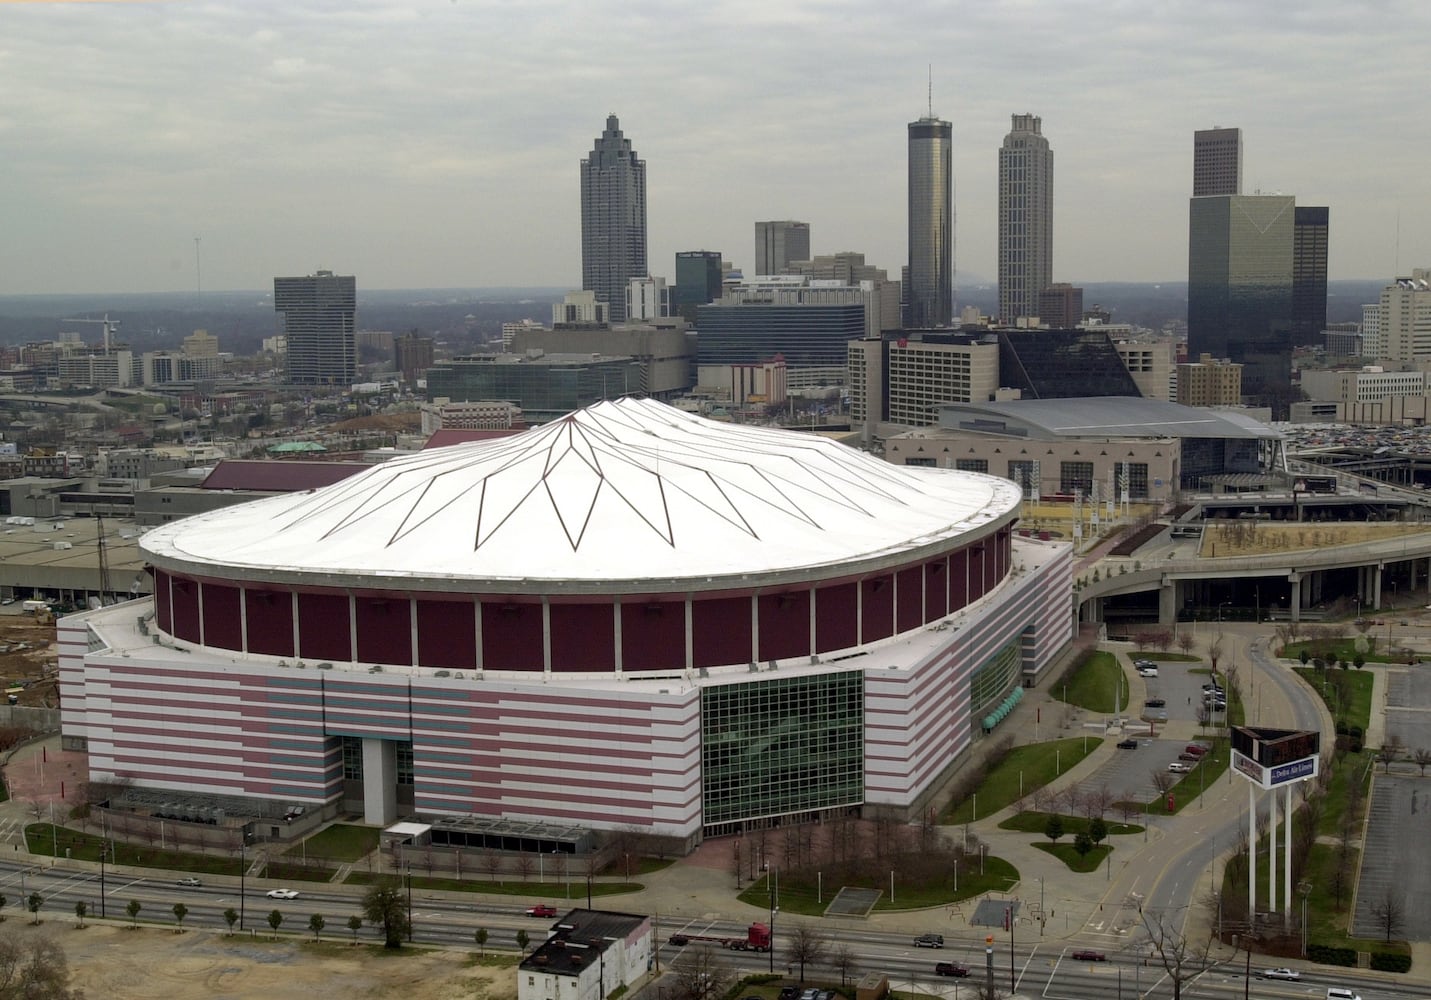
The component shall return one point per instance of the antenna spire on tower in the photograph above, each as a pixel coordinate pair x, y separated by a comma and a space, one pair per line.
931, 90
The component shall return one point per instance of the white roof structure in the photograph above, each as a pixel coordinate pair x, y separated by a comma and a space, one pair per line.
632, 490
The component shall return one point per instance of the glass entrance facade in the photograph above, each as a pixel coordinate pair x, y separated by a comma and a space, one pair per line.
789, 745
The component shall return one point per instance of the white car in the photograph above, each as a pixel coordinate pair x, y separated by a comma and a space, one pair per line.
1178, 767
1289, 974
282, 894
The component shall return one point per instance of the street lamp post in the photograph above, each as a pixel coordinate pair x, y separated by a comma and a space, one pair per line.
243, 871
407, 870
1306, 889
772, 882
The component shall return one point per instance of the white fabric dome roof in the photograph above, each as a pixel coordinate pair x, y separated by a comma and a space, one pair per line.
626, 490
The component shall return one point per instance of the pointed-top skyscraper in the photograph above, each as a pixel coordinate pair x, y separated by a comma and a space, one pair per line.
1025, 219
930, 290
613, 219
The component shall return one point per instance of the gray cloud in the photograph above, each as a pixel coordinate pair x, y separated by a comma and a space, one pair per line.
435, 142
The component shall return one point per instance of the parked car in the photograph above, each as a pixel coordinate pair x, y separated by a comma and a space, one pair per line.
190, 880
1194, 758
929, 941
1195, 748
789, 992
1156, 703
951, 969
542, 910
1147, 671
1178, 767
1085, 955
282, 894
1127, 744
1289, 974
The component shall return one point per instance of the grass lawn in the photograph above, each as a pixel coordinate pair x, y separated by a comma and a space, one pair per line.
340, 842
809, 897
1095, 685
296, 871
1031, 766
1036, 822
42, 838
1345, 648
1069, 855
1168, 657
1357, 711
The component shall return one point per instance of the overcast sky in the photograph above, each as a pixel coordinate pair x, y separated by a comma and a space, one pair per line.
435, 143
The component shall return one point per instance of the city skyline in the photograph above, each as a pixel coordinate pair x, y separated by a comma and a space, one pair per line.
158, 147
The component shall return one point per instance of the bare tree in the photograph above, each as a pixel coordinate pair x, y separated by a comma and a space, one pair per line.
844, 960
1180, 957
700, 976
492, 864
805, 946
34, 968
1390, 751
1163, 781
1422, 756
526, 864
1389, 909
1214, 651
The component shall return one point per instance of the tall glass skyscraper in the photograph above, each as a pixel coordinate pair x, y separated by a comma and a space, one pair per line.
931, 224
1025, 218
1217, 161
613, 219
1240, 287
778, 244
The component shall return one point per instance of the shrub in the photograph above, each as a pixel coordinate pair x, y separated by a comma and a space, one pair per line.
1329, 955
1390, 961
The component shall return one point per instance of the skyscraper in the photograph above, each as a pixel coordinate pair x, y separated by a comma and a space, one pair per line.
319, 319
1025, 218
698, 281
930, 299
1240, 287
613, 219
1311, 227
1217, 161
777, 244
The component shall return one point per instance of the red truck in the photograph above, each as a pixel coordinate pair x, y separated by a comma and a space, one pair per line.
757, 938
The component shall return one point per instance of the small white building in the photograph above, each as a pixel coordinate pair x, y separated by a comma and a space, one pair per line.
588, 955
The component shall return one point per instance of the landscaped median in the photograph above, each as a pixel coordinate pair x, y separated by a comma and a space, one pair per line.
1017, 773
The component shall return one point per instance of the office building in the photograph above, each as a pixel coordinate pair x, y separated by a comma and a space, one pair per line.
1371, 346
1025, 219
929, 297
647, 298
413, 355
698, 281
726, 628
1310, 226
1209, 381
544, 386
1149, 363
904, 377
1240, 287
1060, 305
1404, 321
583, 308
613, 219
1369, 384
319, 327
780, 244
201, 344
1217, 161
850, 268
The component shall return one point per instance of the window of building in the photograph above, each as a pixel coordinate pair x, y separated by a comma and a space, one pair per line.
923, 463
972, 464
1137, 473
352, 758
404, 763
1075, 476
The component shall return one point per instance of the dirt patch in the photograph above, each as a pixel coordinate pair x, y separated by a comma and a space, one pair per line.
120, 964
29, 660
1246, 538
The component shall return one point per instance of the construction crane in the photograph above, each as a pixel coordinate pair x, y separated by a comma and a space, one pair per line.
109, 327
